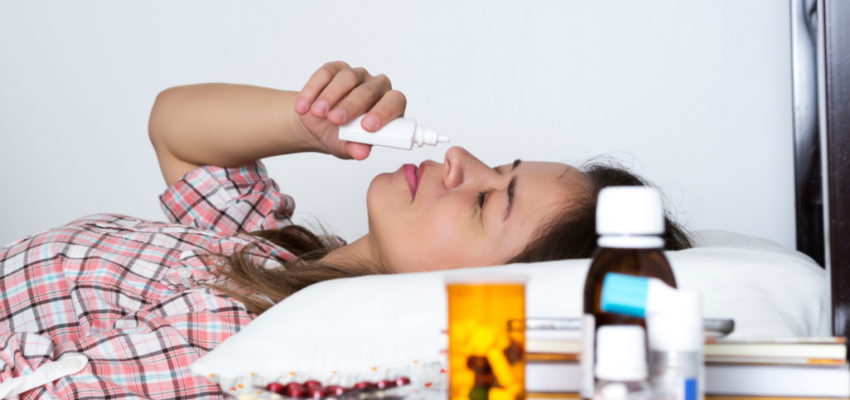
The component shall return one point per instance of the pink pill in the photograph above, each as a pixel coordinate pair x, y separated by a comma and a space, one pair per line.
384, 384
298, 393
363, 385
275, 387
336, 390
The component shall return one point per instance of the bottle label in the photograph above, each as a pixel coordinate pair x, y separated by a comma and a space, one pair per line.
673, 387
588, 338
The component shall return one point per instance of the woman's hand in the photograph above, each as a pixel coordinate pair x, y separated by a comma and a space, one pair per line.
337, 94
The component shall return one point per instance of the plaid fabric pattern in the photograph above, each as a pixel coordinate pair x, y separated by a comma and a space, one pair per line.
125, 292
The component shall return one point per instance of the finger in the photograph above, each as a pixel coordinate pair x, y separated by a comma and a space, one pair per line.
316, 84
390, 107
358, 151
358, 101
341, 84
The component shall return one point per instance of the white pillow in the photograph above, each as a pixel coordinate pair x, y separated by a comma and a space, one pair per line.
385, 326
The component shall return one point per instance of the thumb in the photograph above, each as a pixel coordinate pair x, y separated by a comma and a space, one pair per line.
358, 151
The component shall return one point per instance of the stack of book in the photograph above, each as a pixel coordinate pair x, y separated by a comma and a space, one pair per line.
797, 367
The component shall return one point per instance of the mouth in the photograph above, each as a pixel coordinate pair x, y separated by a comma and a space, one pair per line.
411, 174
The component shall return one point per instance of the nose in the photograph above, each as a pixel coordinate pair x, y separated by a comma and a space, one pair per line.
459, 167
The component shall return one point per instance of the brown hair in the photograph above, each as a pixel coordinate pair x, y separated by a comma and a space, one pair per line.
570, 233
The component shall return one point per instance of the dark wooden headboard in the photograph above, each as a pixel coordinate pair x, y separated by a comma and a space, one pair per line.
835, 20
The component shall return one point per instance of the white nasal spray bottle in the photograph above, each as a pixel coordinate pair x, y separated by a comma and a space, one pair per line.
400, 133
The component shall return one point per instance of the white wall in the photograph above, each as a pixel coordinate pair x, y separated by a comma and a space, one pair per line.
696, 95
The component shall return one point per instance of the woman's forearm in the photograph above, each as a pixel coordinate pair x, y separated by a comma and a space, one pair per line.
224, 125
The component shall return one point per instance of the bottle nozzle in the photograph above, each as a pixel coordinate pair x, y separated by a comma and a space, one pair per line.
427, 136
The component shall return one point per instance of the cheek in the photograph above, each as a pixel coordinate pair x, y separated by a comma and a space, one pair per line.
437, 240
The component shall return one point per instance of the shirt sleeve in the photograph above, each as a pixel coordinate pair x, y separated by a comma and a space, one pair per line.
228, 200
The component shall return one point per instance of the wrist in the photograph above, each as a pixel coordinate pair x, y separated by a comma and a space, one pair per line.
307, 142
293, 136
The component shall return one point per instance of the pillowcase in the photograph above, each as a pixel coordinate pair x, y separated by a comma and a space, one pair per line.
385, 326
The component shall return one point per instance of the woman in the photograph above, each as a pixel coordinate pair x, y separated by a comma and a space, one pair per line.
142, 300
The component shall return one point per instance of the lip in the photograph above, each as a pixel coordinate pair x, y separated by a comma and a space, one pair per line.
410, 174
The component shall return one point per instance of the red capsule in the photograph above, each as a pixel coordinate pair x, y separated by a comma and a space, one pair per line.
384, 384
335, 390
312, 385
276, 387
317, 393
294, 385
362, 385
402, 381
298, 393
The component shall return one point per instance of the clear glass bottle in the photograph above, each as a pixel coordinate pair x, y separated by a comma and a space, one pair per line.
676, 340
676, 375
630, 220
621, 364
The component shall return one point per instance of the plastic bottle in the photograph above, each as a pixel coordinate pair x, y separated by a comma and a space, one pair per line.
630, 220
621, 364
401, 133
675, 327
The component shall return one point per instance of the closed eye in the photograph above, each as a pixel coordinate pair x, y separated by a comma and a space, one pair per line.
481, 197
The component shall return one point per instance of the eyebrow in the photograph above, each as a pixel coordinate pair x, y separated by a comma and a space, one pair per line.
511, 190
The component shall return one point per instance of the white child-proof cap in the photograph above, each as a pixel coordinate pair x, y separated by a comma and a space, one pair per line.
629, 210
621, 353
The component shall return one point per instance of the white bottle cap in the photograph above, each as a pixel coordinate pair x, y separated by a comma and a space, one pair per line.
629, 210
678, 325
621, 353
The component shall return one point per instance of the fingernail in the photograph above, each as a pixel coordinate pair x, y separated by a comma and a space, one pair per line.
301, 106
339, 114
321, 106
370, 122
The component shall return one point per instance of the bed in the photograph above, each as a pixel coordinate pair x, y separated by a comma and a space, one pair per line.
822, 182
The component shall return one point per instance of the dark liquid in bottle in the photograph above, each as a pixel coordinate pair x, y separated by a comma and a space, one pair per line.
650, 263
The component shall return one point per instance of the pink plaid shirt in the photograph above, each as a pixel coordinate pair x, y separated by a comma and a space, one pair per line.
125, 292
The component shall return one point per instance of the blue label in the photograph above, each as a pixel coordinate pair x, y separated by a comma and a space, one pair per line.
690, 389
624, 294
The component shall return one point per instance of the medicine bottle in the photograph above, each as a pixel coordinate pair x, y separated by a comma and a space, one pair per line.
401, 133
621, 364
630, 222
675, 329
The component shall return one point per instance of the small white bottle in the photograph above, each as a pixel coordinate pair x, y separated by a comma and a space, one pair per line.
400, 133
621, 364
675, 326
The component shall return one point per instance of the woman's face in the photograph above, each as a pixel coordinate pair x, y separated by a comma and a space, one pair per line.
462, 213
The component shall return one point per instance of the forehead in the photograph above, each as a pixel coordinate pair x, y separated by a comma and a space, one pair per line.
537, 172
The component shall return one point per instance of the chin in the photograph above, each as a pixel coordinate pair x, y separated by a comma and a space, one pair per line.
378, 190
381, 203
